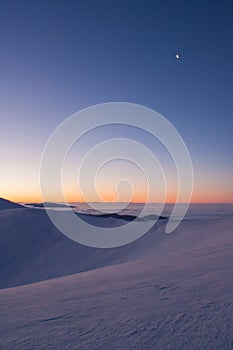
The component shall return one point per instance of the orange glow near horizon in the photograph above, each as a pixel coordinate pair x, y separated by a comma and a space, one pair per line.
207, 197
206, 190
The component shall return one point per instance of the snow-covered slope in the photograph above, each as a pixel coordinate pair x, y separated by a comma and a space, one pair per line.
176, 297
5, 204
32, 249
160, 292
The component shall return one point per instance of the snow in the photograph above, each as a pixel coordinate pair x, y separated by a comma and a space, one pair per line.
5, 204
161, 292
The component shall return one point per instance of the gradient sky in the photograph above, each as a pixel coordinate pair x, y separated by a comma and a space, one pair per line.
58, 57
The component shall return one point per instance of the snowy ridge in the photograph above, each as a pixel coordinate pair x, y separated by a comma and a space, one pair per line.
160, 292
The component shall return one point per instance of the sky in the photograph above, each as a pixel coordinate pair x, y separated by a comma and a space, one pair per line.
58, 57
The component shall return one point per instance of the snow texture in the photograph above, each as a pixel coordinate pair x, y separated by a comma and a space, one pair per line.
161, 292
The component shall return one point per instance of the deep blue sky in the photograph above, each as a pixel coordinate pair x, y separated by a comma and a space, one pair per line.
60, 56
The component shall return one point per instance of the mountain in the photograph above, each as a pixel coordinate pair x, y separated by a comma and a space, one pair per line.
172, 292
48, 205
32, 249
160, 292
5, 204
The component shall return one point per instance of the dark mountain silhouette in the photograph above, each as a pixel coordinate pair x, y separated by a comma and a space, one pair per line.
5, 204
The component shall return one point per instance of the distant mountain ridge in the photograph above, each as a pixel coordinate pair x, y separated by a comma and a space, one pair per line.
49, 205
5, 204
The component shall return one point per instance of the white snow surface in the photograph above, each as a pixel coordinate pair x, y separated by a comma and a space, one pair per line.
161, 292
